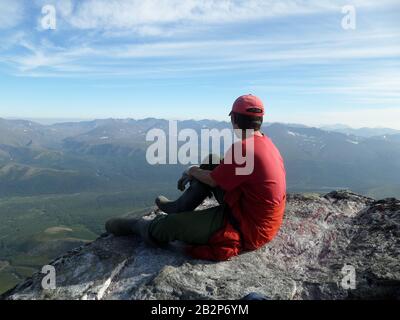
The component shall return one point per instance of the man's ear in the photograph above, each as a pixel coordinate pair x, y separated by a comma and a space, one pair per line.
233, 118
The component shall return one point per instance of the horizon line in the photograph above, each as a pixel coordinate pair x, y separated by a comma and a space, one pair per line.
52, 121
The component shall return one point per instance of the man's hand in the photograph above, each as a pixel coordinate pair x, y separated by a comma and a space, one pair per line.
202, 175
183, 181
192, 170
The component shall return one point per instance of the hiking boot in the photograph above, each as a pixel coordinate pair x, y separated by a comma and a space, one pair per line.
188, 201
120, 226
130, 226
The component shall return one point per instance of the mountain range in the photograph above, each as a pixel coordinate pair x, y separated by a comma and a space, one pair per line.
362, 132
109, 155
60, 182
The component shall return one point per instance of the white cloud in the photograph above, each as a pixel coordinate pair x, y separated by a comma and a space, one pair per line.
250, 53
156, 17
64, 7
375, 82
367, 88
138, 14
11, 13
374, 88
88, 53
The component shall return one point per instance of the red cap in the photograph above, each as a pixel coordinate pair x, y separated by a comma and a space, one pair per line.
248, 105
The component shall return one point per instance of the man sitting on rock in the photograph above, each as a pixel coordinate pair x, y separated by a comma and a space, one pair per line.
251, 205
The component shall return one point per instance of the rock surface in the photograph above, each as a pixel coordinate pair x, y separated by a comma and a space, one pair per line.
320, 235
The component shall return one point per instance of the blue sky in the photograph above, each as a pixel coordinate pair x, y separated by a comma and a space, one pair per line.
180, 59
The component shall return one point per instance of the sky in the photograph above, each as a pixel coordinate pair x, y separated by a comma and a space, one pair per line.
190, 59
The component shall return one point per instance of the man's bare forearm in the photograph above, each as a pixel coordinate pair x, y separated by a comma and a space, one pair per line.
202, 175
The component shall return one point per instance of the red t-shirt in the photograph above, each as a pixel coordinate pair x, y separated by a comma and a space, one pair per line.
257, 200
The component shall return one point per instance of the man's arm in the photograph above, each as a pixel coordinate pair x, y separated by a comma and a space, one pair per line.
202, 175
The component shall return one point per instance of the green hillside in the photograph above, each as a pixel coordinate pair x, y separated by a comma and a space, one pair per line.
34, 230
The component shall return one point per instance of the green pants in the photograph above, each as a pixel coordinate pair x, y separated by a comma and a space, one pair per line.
192, 227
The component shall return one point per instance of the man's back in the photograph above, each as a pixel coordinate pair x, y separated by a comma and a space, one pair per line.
257, 199
267, 184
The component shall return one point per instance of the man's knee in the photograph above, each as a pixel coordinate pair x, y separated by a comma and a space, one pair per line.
163, 228
194, 227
